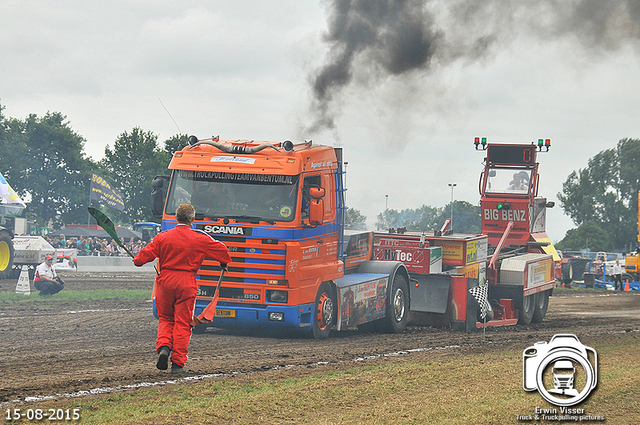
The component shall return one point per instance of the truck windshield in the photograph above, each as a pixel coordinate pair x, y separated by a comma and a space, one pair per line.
508, 180
234, 195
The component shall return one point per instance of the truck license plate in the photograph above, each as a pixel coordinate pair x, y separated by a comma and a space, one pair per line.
225, 313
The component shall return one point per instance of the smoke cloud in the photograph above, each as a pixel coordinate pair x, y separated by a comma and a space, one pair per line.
382, 39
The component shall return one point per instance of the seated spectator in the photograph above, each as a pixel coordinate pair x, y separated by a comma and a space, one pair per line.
46, 280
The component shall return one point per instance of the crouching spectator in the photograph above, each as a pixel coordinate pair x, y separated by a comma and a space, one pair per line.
46, 280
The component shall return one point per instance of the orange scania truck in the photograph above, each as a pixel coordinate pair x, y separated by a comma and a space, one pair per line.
279, 208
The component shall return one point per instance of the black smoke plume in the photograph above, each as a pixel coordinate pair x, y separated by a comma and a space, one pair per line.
381, 39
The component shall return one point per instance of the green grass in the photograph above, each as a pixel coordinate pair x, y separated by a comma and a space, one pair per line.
469, 388
64, 295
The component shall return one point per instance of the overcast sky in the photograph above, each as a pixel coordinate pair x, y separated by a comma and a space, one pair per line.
403, 87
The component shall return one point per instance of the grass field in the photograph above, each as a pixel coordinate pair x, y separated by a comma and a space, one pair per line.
455, 388
97, 294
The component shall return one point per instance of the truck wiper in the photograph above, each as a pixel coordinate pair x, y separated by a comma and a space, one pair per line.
201, 216
250, 219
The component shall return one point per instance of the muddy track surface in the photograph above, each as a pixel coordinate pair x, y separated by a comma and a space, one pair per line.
56, 349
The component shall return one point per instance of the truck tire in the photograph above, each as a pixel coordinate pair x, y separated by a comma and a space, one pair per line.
589, 280
527, 309
541, 306
325, 311
578, 267
6, 255
395, 320
567, 274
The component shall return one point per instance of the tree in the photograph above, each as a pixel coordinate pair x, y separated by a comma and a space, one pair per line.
606, 192
45, 159
589, 236
175, 143
466, 217
388, 219
132, 163
426, 218
353, 219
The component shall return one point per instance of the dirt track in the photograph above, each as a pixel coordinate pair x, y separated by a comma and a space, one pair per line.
56, 348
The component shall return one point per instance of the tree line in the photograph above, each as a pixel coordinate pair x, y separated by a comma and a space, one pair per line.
602, 200
466, 218
45, 161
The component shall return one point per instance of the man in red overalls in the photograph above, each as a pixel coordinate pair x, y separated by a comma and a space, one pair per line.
180, 252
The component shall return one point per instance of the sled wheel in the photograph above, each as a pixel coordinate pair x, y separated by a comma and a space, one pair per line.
397, 306
527, 309
325, 311
541, 306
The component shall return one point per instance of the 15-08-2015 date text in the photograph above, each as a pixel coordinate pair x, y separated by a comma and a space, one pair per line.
43, 414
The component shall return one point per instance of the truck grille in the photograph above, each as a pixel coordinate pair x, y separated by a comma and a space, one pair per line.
252, 261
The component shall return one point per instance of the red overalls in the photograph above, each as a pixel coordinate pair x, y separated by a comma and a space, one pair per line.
180, 252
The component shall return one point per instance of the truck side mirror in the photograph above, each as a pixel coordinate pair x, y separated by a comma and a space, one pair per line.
157, 202
157, 195
316, 206
316, 212
157, 182
316, 192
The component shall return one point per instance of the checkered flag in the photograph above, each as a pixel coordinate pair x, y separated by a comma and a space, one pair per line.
481, 294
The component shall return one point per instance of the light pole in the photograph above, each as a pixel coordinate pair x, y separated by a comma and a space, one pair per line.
452, 185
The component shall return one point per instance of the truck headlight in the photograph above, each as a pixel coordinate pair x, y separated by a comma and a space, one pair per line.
277, 297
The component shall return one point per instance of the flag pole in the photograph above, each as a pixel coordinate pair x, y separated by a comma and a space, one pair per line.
88, 214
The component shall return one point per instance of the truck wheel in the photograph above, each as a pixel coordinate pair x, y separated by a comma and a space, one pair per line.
397, 306
541, 306
325, 311
6, 255
567, 274
527, 309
